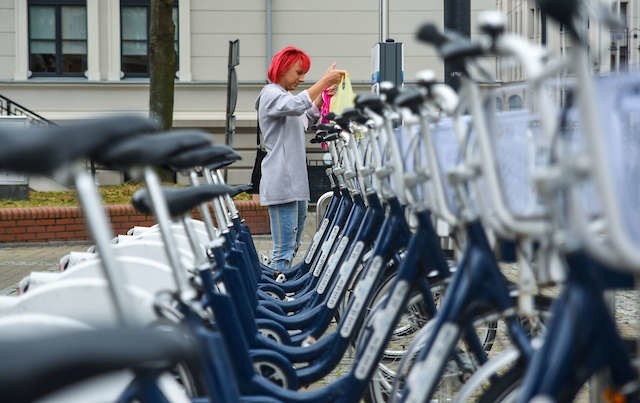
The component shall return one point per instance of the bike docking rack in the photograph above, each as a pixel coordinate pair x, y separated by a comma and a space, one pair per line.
220, 325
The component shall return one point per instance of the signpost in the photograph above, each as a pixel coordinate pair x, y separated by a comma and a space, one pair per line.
13, 186
232, 93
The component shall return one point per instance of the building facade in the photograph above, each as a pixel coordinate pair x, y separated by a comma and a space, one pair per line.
611, 51
71, 59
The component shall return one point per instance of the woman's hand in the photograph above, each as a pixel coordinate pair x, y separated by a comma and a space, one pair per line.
333, 76
331, 90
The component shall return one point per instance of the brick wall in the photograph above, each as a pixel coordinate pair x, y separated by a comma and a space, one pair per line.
44, 224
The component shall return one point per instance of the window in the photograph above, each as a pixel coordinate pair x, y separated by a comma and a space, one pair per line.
134, 26
623, 13
624, 59
515, 102
531, 23
57, 37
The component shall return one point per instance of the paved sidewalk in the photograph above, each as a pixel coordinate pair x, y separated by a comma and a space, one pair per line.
18, 260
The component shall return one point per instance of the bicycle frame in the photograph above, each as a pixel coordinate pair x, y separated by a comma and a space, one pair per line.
476, 284
581, 339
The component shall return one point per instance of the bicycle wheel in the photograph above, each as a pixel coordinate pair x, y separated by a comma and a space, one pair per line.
462, 363
505, 386
410, 324
410, 327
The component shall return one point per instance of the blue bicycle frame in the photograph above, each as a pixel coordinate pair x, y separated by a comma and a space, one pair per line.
581, 336
476, 285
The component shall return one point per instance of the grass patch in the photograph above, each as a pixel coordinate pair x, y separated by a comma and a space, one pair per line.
116, 194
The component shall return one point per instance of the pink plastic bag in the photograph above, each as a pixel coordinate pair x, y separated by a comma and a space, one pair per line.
326, 104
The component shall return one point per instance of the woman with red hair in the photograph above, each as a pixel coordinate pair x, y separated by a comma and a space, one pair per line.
283, 118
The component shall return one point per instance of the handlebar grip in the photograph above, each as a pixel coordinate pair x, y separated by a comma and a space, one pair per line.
328, 127
431, 34
322, 137
450, 44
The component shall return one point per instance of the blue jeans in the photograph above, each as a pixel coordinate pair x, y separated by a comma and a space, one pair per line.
287, 223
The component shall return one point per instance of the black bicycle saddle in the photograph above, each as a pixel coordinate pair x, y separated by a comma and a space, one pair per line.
204, 156
41, 150
180, 200
152, 150
34, 368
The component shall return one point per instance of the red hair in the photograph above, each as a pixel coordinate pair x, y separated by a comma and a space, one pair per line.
286, 58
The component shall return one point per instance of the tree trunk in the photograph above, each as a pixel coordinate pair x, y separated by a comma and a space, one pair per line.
162, 62
162, 69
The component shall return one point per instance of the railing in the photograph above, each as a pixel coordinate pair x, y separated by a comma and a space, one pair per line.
9, 107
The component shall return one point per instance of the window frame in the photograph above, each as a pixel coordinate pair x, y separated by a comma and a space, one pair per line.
146, 4
58, 4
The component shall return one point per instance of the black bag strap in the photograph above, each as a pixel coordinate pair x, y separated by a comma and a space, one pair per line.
258, 131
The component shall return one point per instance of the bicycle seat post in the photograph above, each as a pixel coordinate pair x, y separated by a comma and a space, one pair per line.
233, 210
221, 216
204, 208
164, 221
102, 234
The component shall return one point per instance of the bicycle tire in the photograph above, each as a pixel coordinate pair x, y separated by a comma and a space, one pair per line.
504, 386
542, 305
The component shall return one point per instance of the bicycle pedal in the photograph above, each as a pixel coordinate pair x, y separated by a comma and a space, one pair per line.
280, 277
308, 341
612, 396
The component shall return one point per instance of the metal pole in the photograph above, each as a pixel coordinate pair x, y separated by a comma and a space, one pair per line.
384, 20
543, 23
269, 44
457, 17
617, 42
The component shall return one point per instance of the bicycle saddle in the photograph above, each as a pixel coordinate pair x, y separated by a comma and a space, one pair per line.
180, 200
203, 157
389, 90
371, 101
41, 150
411, 99
222, 164
154, 149
35, 367
352, 114
237, 189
